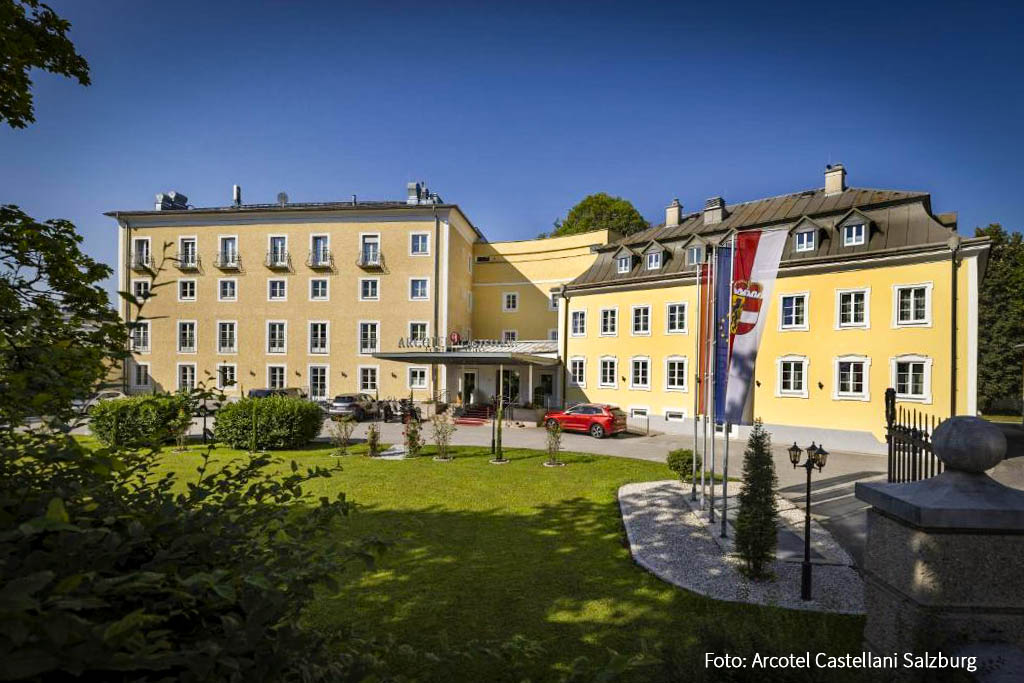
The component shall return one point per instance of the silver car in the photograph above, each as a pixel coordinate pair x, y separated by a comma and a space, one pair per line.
356, 406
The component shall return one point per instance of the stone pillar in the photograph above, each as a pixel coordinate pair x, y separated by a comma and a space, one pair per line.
942, 564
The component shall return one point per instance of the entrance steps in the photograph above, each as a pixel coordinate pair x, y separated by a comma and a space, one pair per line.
475, 415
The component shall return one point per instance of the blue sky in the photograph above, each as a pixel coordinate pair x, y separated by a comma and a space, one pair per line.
516, 111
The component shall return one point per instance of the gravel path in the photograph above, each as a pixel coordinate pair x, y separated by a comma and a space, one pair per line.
670, 537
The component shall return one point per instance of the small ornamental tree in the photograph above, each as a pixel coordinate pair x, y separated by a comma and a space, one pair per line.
413, 438
341, 434
443, 428
757, 519
373, 440
554, 442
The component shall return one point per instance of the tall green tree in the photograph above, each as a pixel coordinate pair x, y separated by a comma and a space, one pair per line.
757, 519
1001, 322
600, 211
32, 36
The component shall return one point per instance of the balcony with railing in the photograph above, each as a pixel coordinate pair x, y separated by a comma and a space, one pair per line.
228, 260
187, 260
320, 259
140, 260
370, 259
140, 343
278, 260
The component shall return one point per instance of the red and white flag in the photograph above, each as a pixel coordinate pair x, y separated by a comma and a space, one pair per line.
755, 266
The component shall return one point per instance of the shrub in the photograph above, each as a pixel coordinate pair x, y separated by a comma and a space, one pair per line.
140, 420
274, 422
554, 441
680, 461
443, 430
413, 439
341, 434
373, 440
757, 519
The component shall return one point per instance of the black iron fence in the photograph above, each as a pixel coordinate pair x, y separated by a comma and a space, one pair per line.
909, 437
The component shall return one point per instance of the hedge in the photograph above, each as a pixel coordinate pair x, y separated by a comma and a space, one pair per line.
279, 422
680, 461
139, 420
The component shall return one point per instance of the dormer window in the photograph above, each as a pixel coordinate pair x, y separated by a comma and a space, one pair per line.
805, 240
854, 235
624, 265
694, 255
654, 260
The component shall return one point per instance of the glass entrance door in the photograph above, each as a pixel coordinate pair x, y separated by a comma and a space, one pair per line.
468, 386
510, 386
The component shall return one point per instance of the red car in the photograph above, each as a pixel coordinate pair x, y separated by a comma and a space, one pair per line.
598, 420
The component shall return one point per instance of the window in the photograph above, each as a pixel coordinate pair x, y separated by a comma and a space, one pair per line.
624, 264
418, 289
417, 378
186, 336
276, 290
319, 251
278, 255
609, 322
188, 256
318, 289
609, 373
509, 335
804, 240
227, 289
226, 340
675, 373
368, 337
186, 376
852, 308
140, 336
419, 243
794, 312
578, 372
792, 376
140, 289
369, 289
226, 375
674, 416
275, 377
638, 412
553, 302
851, 378
553, 334
140, 253
640, 374
675, 317
186, 290
912, 378
417, 330
140, 375
510, 302
654, 260
641, 320
913, 305
318, 382
367, 378
853, 235
318, 340
694, 255
579, 323
228, 255
369, 250
277, 337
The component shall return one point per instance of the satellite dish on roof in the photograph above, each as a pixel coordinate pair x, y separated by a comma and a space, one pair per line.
282, 198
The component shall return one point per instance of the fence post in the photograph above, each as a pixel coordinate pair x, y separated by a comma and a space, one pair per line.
890, 416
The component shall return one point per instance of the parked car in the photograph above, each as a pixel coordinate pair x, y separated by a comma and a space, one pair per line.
356, 406
264, 393
83, 404
597, 419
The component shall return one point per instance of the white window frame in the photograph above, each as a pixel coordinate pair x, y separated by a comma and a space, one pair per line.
805, 365
623, 264
195, 242
219, 292
839, 324
426, 288
266, 343
553, 302
326, 281
147, 349
135, 376
804, 248
615, 331
359, 378
692, 252
408, 377
412, 239
572, 323
686, 317
653, 260
359, 338
135, 282
615, 372
853, 358
505, 334
195, 336
195, 289
675, 415
926, 398
216, 342
685, 386
328, 247
632, 320
783, 327
284, 375
359, 291
553, 334
927, 322
177, 375
309, 337
327, 379
270, 281
582, 383
639, 411
220, 246
854, 241
505, 308
373, 236
220, 383
633, 386
149, 250
426, 328
270, 243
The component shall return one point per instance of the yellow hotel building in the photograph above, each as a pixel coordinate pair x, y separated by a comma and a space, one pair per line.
399, 297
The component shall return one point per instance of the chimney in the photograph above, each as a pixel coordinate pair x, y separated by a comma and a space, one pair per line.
236, 195
714, 210
673, 213
835, 179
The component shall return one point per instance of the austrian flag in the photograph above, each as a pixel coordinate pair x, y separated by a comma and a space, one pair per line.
755, 266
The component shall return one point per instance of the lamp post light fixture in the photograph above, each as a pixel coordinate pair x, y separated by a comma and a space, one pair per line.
817, 456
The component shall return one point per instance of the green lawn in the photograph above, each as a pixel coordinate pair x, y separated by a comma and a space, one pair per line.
490, 551
1015, 419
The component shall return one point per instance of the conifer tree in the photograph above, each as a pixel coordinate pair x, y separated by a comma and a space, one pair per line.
757, 518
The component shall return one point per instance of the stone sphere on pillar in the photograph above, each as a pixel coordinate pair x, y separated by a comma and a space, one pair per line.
969, 444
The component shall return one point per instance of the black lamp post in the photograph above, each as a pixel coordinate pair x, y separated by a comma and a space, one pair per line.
816, 457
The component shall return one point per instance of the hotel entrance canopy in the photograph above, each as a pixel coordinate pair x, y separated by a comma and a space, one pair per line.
540, 353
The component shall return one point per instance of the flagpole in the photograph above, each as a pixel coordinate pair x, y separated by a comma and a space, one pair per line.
728, 346
705, 341
713, 334
696, 389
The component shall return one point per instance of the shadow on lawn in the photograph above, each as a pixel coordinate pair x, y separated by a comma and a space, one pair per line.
560, 574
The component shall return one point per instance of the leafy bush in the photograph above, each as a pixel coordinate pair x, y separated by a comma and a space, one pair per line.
412, 436
341, 434
140, 420
443, 430
373, 445
757, 519
680, 461
274, 422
